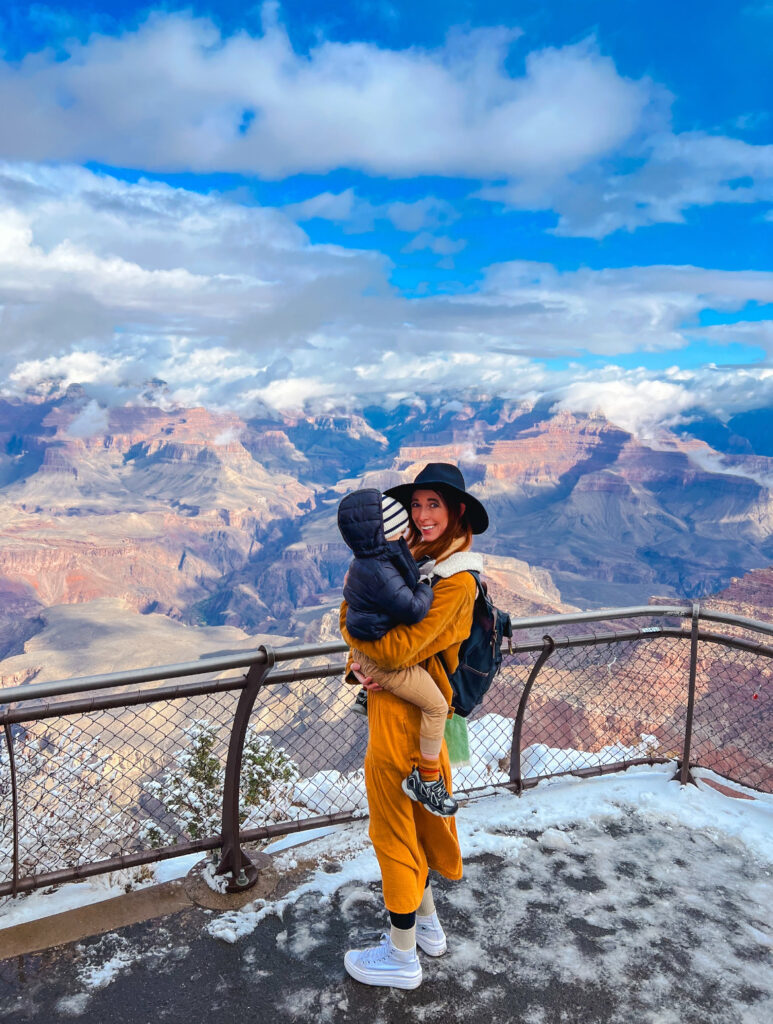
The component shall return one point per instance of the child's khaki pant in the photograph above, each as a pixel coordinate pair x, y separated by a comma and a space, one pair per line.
415, 686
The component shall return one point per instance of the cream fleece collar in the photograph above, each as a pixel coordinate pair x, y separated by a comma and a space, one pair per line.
460, 561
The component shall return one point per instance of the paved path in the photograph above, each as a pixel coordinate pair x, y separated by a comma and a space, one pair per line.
597, 925
287, 970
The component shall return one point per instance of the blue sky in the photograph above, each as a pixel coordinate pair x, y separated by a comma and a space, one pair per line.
351, 202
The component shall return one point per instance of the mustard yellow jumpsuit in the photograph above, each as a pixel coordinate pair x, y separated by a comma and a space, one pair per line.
407, 838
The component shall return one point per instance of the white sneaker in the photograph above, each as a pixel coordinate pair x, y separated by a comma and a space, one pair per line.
384, 964
430, 935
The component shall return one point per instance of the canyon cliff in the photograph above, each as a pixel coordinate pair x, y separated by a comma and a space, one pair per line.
157, 535
215, 519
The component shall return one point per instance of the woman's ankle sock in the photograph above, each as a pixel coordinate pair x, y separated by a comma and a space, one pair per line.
429, 768
403, 938
427, 905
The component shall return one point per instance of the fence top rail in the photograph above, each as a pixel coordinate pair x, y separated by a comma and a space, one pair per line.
640, 611
244, 659
645, 633
218, 663
31, 711
736, 620
601, 615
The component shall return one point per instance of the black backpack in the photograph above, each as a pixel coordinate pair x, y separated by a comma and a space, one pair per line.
480, 656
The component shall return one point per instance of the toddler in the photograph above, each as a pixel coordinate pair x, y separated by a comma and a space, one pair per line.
383, 588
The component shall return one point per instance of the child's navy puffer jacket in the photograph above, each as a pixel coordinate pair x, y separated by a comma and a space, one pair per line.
382, 587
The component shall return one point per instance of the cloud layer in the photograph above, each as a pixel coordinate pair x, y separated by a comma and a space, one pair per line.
568, 133
673, 173
113, 284
174, 94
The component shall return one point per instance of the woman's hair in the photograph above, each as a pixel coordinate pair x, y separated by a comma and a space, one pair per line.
458, 533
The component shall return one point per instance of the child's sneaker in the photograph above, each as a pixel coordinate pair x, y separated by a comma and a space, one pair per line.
433, 795
360, 706
430, 935
384, 964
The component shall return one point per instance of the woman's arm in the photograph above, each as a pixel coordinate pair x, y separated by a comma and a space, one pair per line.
446, 623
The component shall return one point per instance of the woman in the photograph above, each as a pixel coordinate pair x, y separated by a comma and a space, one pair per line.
409, 840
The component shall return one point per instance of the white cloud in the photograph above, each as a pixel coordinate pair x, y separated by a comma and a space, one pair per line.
359, 215
750, 332
675, 172
74, 368
249, 103
28, 269
175, 94
428, 212
614, 311
441, 245
336, 207
112, 285
231, 435
90, 421
86, 260
642, 402
639, 406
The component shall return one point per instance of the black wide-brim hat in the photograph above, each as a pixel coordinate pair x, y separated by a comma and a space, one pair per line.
443, 476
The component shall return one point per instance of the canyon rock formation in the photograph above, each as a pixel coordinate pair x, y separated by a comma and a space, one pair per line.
211, 518
140, 517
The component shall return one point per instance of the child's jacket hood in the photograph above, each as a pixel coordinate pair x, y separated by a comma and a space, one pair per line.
361, 522
382, 584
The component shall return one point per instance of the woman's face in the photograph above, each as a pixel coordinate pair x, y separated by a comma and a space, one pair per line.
430, 514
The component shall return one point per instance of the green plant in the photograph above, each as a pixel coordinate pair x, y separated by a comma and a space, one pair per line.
192, 790
264, 766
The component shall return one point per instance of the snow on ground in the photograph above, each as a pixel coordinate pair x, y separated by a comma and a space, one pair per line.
621, 899
625, 884
491, 739
500, 825
110, 956
297, 838
46, 902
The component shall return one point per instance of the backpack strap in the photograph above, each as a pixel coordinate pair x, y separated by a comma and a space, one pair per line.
478, 585
478, 590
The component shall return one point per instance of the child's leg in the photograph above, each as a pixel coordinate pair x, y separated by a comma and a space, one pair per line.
417, 687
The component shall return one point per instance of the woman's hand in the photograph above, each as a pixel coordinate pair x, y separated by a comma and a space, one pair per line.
365, 681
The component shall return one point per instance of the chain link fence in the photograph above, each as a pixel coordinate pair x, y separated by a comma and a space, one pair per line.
607, 703
121, 779
314, 722
91, 785
733, 730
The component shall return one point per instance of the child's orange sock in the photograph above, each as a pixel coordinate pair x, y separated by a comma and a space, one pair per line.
429, 768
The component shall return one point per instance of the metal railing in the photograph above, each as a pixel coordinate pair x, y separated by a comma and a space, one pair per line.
117, 771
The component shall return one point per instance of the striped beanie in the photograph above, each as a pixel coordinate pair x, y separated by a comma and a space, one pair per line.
395, 518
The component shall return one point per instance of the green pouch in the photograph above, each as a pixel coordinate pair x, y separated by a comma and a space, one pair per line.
457, 741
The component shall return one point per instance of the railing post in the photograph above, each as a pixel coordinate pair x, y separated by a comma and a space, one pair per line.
14, 807
548, 646
244, 873
684, 774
